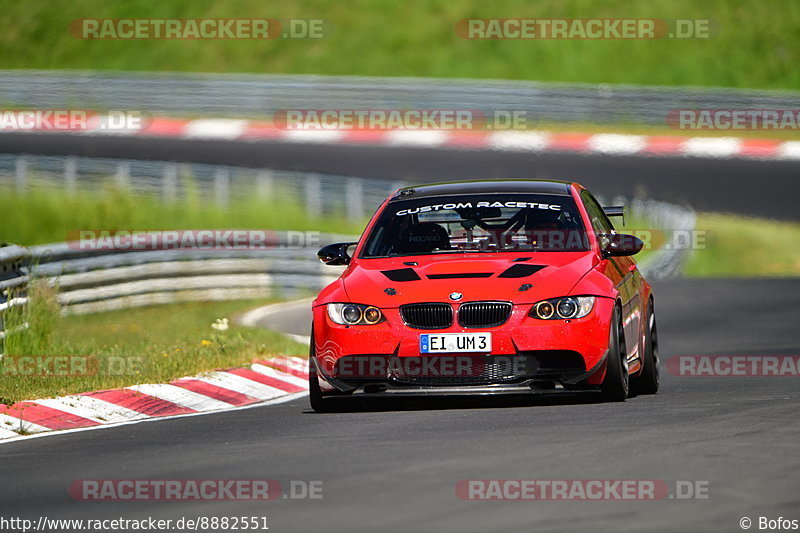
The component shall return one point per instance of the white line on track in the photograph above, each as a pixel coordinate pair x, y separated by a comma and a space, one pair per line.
415, 137
789, 150
611, 143
312, 136
712, 146
525, 141
302, 339
215, 129
254, 316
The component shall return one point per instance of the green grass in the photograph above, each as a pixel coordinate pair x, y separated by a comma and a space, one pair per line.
734, 245
143, 345
44, 215
737, 246
757, 44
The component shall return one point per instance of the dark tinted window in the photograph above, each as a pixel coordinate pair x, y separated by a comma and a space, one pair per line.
600, 221
477, 223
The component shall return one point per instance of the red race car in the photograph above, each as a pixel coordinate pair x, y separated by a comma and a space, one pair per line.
485, 287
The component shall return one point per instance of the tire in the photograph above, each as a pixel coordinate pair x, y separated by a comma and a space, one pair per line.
319, 403
648, 380
616, 385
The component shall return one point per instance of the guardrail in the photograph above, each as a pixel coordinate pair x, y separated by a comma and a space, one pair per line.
677, 224
320, 194
91, 280
261, 95
13, 284
101, 280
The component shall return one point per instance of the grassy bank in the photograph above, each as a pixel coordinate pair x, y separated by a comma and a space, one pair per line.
116, 349
733, 245
737, 246
755, 43
44, 215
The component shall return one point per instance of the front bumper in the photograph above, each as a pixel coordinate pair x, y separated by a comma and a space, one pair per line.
525, 352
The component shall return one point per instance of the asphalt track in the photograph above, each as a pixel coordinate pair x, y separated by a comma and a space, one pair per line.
747, 186
394, 467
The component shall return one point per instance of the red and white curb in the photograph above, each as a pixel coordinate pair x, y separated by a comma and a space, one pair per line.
512, 141
269, 380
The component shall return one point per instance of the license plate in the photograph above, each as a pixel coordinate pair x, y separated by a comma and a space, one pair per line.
455, 342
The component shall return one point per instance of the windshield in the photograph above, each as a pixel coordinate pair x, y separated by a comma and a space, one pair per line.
477, 223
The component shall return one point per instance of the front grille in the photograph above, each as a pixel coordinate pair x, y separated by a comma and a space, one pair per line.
483, 314
427, 316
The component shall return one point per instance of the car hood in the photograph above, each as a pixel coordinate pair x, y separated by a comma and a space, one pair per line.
397, 281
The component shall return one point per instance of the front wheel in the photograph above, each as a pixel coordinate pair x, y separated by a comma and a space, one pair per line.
616, 384
319, 403
648, 380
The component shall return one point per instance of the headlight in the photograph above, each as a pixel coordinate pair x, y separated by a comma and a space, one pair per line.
562, 308
355, 314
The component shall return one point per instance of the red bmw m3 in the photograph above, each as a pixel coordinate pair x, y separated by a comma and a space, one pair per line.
479, 287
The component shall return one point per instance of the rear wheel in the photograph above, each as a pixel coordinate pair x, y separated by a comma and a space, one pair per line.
648, 380
616, 384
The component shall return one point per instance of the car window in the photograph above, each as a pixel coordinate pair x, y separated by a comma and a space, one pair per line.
477, 223
600, 222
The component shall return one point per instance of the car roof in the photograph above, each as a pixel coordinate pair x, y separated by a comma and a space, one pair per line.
487, 186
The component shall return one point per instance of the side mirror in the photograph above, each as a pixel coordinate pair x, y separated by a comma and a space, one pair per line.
335, 254
620, 244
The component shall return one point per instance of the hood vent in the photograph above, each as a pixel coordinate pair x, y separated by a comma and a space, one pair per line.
401, 274
520, 271
461, 275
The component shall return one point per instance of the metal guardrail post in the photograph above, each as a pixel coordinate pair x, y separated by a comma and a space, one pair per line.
21, 174
313, 194
123, 175
265, 184
169, 183
70, 174
222, 186
354, 195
